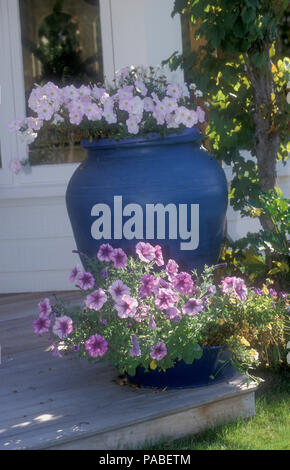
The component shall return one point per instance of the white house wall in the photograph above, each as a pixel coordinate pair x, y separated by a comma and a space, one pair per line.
36, 242
36, 239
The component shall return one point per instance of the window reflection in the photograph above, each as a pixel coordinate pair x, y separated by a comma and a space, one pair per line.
61, 42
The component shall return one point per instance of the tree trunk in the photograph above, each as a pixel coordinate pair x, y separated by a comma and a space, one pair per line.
266, 138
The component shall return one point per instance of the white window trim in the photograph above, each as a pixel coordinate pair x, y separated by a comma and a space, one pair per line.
40, 180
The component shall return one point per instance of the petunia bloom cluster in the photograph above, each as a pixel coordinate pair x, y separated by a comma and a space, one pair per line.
147, 311
138, 98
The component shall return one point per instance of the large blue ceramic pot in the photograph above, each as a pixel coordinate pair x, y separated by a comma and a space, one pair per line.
213, 367
166, 191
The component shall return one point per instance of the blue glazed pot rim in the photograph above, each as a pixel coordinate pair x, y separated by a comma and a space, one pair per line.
185, 136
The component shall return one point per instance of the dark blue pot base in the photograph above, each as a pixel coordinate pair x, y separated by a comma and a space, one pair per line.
212, 368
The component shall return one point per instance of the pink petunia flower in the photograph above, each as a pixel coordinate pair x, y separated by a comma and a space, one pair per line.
173, 314
126, 306
93, 112
63, 326
191, 119
118, 289
166, 298
86, 281
148, 104
228, 284
158, 255
183, 283
211, 290
171, 268
34, 123
96, 300
45, 111
192, 307
152, 324
96, 346
135, 351
141, 88
273, 292
125, 92
160, 283
132, 125
119, 258
75, 117
170, 103
77, 270
15, 125
181, 114
98, 92
147, 284
145, 251
44, 307
200, 114
41, 325
105, 252
236, 286
15, 165
159, 116
241, 289
109, 115
174, 90
141, 313
159, 351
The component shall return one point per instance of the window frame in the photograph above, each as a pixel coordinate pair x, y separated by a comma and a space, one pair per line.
38, 180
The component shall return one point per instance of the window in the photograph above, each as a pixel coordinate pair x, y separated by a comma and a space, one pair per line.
61, 42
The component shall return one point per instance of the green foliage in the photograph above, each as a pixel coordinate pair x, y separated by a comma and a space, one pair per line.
233, 31
249, 254
257, 325
239, 36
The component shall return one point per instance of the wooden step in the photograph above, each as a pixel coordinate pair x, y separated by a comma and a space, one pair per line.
51, 403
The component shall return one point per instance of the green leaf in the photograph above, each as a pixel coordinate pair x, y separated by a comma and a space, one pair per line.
191, 352
248, 15
131, 369
278, 191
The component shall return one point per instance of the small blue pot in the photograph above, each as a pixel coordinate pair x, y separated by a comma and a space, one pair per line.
213, 363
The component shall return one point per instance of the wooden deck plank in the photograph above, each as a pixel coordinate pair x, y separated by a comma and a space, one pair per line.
46, 402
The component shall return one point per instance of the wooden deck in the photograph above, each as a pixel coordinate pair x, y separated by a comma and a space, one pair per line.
51, 403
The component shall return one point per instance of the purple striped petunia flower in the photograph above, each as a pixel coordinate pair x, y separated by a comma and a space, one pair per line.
135, 351
63, 326
96, 346
86, 280
159, 351
41, 325
44, 307
96, 300
118, 289
76, 272
119, 258
192, 307
105, 252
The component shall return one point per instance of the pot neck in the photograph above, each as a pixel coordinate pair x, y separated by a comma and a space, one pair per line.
186, 136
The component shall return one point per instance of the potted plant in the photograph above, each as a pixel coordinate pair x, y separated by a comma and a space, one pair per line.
164, 327
145, 176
